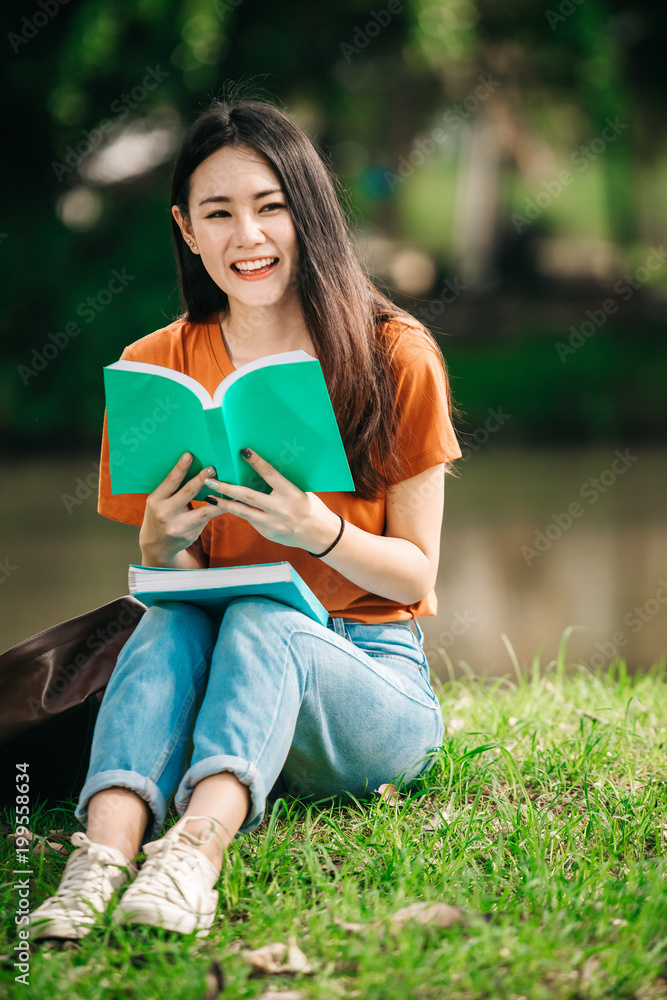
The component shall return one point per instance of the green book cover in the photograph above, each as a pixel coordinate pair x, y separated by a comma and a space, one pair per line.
278, 406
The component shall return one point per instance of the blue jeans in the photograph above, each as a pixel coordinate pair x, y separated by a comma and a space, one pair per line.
289, 706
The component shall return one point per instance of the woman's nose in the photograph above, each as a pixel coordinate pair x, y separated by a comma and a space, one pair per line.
248, 230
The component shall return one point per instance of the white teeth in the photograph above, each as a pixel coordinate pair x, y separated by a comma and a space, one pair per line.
254, 265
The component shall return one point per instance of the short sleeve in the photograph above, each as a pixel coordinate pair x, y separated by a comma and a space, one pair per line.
126, 507
425, 435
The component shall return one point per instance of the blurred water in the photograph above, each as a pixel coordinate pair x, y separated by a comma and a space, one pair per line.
606, 572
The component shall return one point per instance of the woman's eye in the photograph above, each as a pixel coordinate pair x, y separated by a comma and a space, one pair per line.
221, 211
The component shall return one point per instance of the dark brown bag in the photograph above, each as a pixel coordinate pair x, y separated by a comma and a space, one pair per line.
51, 687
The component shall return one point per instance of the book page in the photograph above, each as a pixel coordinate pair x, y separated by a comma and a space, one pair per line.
288, 357
167, 373
152, 422
284, 414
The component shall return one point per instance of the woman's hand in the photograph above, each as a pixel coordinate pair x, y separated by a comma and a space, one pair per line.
400, 564
171, 527
287, 515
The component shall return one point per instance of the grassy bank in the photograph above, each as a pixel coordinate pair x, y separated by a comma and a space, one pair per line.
546, 812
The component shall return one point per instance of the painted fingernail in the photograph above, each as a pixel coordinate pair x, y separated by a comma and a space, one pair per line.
211, 500
212, 484
210, 471
246, 452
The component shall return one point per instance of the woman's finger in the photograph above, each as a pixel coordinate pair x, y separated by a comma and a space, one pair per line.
170, 488
189, 490
264, 469
243, 494
246, 511
173, 479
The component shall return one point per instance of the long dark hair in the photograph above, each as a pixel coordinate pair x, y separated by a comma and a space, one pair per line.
344, 312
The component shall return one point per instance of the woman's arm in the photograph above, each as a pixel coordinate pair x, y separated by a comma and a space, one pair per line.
400, 565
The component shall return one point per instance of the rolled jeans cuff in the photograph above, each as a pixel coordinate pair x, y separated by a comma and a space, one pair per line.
144, 788
245, 771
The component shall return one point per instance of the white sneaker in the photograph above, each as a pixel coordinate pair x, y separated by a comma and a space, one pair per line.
174, 888
92, 874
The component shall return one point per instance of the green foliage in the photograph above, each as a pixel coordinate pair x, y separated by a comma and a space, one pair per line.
608, 389
363, 106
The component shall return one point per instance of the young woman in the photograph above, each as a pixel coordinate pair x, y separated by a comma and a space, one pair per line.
225, 711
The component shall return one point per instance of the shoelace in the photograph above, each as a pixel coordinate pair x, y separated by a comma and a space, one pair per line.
165, 866
82, 875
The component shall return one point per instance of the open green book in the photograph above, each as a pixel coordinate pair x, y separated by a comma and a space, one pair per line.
278, 406
214, 588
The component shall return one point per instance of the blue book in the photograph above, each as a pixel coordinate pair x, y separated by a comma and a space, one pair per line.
215, 588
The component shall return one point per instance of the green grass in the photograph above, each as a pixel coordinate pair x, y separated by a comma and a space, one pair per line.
551, 793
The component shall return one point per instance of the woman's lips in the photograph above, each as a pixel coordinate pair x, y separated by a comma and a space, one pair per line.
259, 272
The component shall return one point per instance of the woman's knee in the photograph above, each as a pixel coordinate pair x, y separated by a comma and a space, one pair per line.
173, 623
259, 616
177, 614
252, 606
169, 637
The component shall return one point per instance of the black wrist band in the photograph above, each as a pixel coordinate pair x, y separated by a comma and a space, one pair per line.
318, 555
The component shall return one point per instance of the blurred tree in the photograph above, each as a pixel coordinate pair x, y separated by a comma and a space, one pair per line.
101, 90
565, 72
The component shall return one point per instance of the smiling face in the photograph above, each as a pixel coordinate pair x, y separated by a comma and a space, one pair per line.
242, 227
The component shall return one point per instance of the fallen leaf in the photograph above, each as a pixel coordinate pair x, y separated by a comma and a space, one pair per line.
215, 981
277, 958
80, 970
388, 794
282, 995
588, 970
55, 841
348, 925
657, 990
437, 821
429, 914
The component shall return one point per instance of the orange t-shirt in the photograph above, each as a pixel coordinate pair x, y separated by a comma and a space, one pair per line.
425, 438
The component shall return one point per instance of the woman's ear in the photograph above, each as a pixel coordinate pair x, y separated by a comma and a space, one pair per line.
185, 226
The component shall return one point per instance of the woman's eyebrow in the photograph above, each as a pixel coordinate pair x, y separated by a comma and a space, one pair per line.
222, 197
